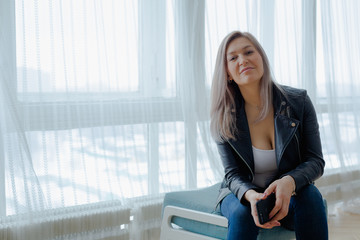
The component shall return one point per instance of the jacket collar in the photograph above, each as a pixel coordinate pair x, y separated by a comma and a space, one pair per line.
285, 127
243, 144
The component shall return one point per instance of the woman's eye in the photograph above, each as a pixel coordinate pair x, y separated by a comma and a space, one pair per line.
249, 52
232, 58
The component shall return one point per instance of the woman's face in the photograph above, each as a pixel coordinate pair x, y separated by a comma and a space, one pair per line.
244, 62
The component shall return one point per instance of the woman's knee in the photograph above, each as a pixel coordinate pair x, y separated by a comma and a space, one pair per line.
310, 214
242, 216
311, 197
309, 206
235, 211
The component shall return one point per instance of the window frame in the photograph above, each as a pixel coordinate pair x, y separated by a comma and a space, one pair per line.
154, 106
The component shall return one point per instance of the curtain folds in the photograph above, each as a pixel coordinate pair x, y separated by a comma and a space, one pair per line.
338, 79
191, 80
105, 105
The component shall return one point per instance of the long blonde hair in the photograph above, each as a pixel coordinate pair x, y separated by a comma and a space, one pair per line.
223, 121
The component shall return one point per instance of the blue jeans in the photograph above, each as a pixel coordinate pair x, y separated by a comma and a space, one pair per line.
307, 216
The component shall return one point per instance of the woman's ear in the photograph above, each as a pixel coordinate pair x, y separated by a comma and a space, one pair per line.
229, 79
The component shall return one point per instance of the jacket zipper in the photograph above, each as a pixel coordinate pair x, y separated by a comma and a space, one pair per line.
298, 146
287, 145
252, 174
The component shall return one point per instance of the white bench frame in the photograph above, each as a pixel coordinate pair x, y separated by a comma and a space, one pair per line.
169, 232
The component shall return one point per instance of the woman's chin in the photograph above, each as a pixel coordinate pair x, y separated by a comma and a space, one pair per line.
247, 82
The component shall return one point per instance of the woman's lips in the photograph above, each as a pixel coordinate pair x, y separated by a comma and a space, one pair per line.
245, 69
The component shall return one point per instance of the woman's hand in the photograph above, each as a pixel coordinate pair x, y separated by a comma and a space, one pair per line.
283, 188
252, 197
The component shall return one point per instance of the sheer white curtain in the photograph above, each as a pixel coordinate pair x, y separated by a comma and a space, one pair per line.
338, 84
105, 104
104, 109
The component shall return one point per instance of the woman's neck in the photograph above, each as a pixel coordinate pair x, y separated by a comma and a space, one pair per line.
251, 95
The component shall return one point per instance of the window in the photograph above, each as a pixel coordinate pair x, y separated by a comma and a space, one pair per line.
106, 91
100, 102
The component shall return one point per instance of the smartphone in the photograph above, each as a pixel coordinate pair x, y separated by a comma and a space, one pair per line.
264, 208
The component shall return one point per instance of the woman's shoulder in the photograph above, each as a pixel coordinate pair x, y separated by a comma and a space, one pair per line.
292, 92
296, 98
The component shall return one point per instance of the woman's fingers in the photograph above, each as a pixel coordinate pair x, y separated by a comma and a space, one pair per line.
271, 224
283, 189
280, 210
270, 189
268, 225
278, 206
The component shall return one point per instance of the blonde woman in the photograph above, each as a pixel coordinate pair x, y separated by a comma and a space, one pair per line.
268, 140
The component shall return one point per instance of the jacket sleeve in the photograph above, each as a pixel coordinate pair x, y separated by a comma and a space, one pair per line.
312, 165
237, 175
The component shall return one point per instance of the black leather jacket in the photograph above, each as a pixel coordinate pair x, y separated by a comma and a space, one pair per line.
297, 144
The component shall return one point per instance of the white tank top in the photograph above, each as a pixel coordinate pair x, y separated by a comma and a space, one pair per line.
265, 166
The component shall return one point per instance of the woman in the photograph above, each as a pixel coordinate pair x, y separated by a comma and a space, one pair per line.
268, 139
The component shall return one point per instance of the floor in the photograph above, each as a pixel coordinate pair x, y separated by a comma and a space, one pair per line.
343, 226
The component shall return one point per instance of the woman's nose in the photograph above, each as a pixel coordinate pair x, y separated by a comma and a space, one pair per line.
242, 61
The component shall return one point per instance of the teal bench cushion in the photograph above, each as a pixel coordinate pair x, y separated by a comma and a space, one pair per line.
204, 200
